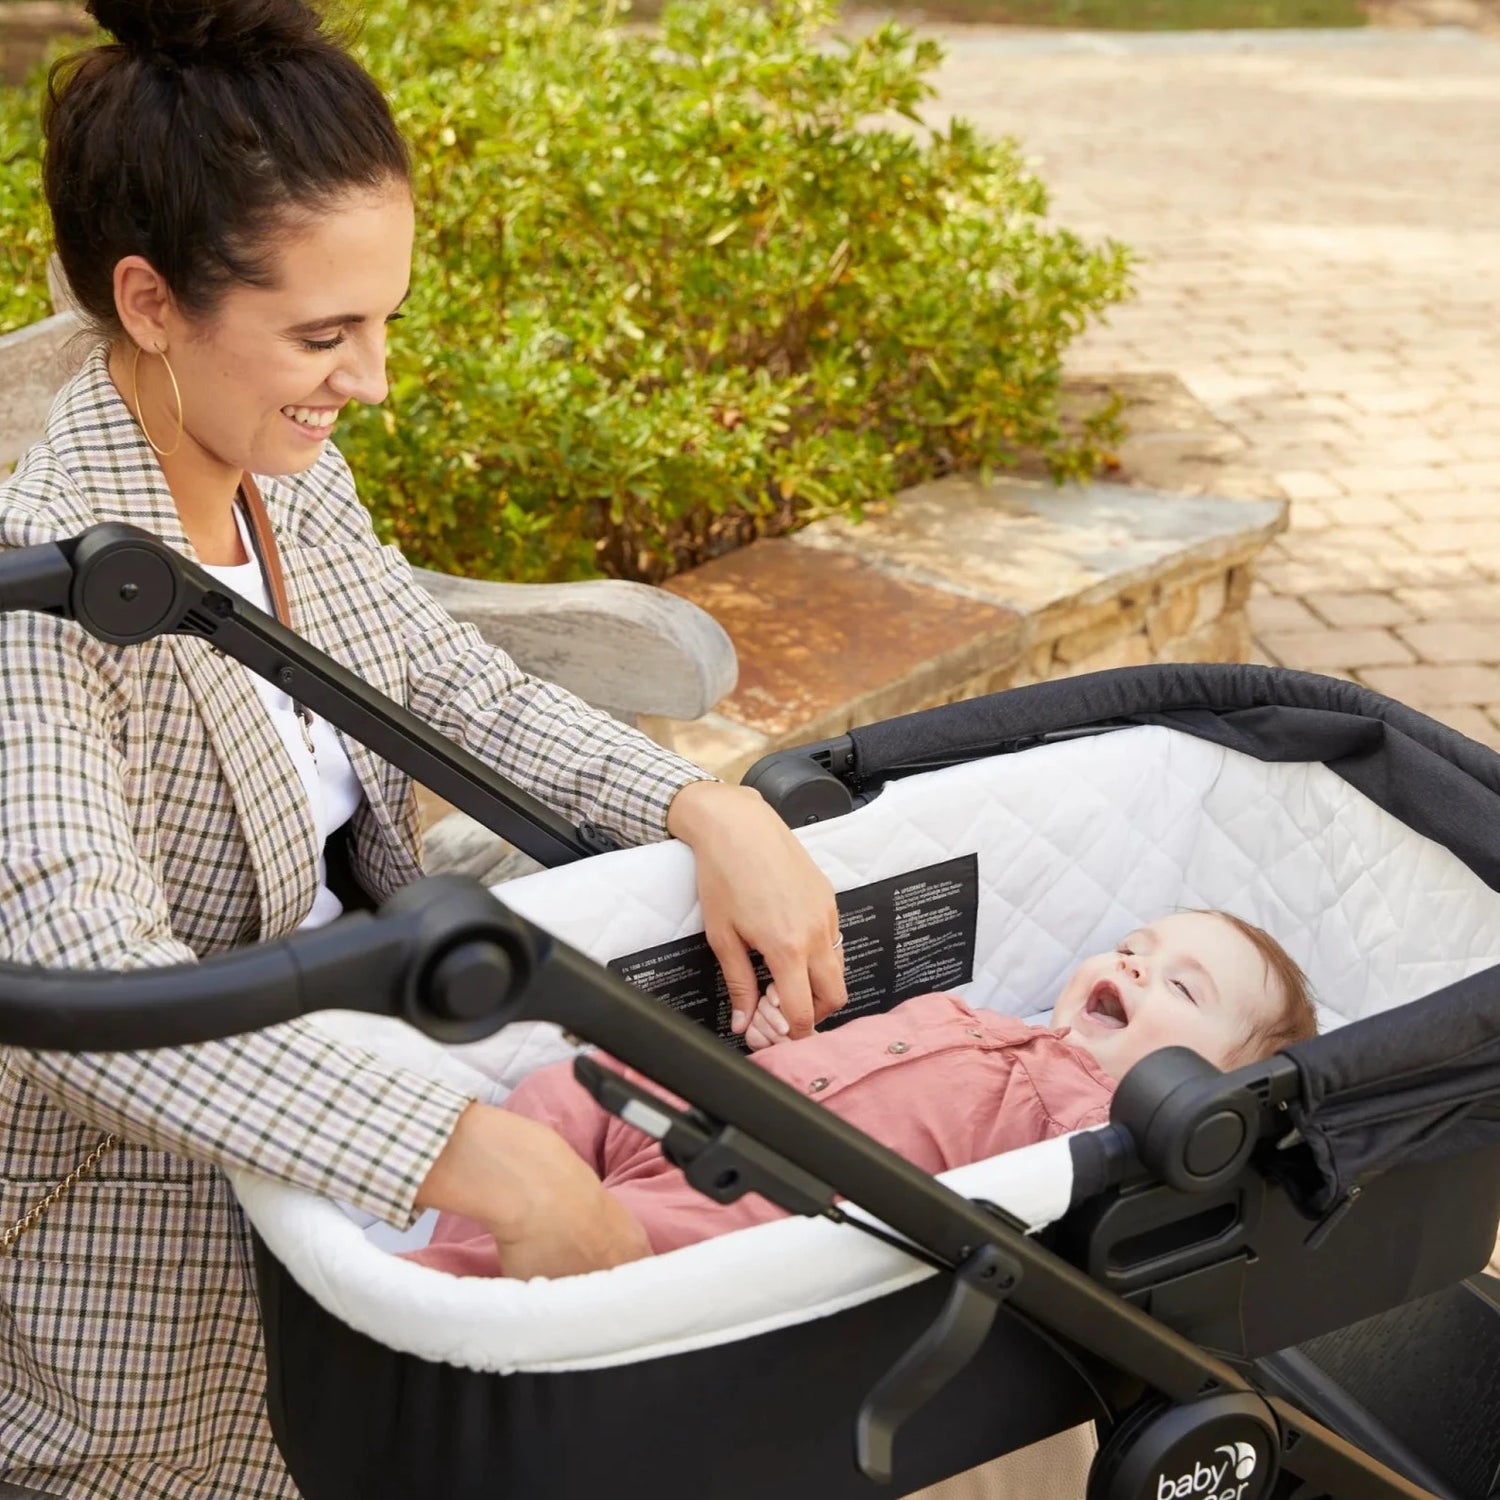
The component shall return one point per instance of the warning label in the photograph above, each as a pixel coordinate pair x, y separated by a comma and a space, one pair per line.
902, 937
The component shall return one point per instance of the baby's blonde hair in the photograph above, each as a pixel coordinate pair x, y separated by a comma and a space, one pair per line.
1297, 1020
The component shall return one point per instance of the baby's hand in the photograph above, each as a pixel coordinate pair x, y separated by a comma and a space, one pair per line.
767, 1026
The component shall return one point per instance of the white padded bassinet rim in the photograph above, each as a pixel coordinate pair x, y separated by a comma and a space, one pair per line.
1079, 841
764, 1278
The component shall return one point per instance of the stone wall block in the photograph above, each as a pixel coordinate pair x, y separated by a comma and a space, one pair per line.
1240, 582
1213, 593
1172, 616
1123, 612
1232, 554
1123, 651
1079, 644
995, 681
1225, 639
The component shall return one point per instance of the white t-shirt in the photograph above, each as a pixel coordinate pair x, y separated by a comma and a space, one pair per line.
333, 790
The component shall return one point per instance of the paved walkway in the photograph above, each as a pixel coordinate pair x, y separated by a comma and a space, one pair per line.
1320, 217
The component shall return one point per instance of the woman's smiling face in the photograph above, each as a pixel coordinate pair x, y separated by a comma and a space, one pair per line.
1187, 980
265, 375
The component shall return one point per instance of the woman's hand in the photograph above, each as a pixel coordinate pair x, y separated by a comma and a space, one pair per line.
759, 888
548, 1211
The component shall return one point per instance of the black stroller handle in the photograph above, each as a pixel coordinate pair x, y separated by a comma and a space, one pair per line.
66, 1010
124, 586
443, 954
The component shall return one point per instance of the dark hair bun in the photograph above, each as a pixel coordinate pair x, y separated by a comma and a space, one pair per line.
187, 31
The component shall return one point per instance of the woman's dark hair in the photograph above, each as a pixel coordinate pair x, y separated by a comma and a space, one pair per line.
195, 138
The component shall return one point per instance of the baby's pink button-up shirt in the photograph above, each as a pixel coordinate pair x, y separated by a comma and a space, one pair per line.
940, 1084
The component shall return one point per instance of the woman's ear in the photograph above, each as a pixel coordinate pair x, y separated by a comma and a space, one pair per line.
143, 303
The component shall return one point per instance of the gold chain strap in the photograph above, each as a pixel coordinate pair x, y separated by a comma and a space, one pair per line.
32, 1217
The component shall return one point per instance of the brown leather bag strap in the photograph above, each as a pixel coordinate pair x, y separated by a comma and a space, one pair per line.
270, 566
265, 546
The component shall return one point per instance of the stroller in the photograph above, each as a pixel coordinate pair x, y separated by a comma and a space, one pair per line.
1306, 1222
1254, 1282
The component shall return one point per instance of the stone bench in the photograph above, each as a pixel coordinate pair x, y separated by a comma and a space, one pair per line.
624, 647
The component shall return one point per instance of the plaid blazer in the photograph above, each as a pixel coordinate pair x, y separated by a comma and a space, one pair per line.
149, 815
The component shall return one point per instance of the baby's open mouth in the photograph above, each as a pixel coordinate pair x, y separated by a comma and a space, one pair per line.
1104, 1005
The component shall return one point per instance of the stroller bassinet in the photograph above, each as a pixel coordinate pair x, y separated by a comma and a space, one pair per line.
1024, 829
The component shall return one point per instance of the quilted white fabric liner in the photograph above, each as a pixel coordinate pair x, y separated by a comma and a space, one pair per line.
1078, 842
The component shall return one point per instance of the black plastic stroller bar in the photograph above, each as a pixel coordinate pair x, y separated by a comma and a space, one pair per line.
721, 1162
124, 586
66, 1010
974, 1296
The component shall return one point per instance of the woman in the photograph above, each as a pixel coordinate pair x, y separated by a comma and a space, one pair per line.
232, 209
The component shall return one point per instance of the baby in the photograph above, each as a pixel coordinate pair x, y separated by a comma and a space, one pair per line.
943, 1085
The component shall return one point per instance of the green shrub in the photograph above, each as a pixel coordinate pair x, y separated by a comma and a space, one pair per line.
675, 290
25, 234
680, 287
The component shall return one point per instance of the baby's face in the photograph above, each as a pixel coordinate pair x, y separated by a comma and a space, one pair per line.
1187, 980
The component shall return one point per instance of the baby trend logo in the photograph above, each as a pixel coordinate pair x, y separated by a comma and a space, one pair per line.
1241, 1457
1215, 1479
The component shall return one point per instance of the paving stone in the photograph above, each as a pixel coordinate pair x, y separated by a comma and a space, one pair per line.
1355, 541
1306, 516
1485, 475
1455, 505
1454, 640
1365, 510
1427, 685
1473, 722
1312, 650
1469, 601
819, 632
1275, 612
1308, 485
1418, 448
1397, 480
1354, 351
1477, 446
1358, 609
1451, 536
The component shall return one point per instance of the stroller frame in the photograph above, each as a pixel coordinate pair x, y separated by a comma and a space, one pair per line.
1182, 1134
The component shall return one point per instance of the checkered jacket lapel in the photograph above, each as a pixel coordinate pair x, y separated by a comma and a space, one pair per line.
272, 831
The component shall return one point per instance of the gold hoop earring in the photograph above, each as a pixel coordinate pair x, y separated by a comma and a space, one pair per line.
140, 413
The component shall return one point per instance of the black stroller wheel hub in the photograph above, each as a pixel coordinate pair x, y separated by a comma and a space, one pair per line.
1223, 1447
